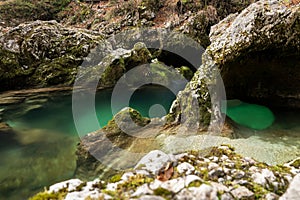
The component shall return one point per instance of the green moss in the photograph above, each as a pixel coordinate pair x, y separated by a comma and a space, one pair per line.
131, 184
79, 187
113, 72
162, 192
186, 72
49, 196
134, 181
116, 178
296, 163
204, 174
195, 184
116, 195
259, 191
30, 10
218, 152
280, 169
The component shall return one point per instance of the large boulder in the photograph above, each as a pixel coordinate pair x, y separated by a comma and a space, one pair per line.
43, 53
111, 148
257, 54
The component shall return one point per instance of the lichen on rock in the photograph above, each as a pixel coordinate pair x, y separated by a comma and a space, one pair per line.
249, 49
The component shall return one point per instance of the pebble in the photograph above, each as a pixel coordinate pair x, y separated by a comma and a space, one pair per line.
242, 193
185, 168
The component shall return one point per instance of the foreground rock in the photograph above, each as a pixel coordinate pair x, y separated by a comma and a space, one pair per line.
216, 173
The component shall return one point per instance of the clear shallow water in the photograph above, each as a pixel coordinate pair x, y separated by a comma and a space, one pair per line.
43, 149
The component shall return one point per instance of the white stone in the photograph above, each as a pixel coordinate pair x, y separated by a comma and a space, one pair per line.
271, 196
212, 166
264, 177
293, 191
242, 193
142, 172
70, 185
226, 196
186, 168
174, 185
126, 176
142, 190
151, 197
205, 192
224, 157
113, 186
153, 161
219, 187
253, 169
82, 195
191, 178
155, 184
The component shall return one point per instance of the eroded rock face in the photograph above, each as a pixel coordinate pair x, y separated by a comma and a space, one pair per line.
257, 54
43, 53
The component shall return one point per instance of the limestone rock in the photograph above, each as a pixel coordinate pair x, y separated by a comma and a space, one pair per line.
253, 50
185, 168
242, 193
43, 53
153, 161
69, 185
293, 191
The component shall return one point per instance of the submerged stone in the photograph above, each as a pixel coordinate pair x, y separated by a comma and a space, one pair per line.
249, 115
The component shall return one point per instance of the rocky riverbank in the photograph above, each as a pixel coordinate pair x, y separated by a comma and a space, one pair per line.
255, 49
216, 173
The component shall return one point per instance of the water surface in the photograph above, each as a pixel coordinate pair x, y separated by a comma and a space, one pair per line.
43, 150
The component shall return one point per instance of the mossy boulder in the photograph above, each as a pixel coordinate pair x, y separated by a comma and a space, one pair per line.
43, 53
107, 71
256, 53
102, 152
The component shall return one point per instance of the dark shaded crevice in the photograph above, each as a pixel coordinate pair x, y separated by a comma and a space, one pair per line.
172, 59
268, 78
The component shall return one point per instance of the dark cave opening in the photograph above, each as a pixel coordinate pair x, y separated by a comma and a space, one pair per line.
267, 78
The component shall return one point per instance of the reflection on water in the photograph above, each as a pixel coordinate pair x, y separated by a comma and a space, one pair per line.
42, 150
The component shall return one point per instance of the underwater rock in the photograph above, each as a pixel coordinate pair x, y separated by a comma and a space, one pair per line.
7, 135
5, 128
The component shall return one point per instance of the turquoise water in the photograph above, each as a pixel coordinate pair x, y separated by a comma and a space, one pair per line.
43, 150
253, 116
